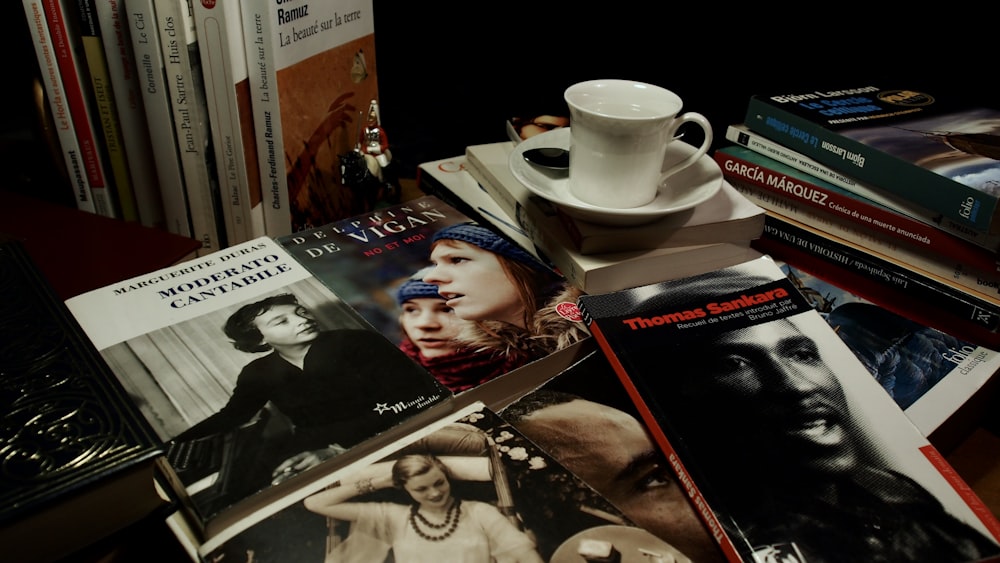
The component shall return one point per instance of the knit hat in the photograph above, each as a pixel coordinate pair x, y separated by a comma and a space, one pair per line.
416, 288
487, 240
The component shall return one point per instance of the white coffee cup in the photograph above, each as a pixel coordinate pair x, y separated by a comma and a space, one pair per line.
619, 134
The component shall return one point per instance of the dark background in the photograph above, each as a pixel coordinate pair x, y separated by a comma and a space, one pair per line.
450, 73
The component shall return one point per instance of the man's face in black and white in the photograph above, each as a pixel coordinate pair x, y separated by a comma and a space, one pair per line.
781, 401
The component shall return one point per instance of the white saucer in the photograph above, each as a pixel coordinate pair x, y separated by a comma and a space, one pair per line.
691, 186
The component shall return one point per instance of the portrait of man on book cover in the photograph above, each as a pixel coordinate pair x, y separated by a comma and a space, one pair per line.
785, 433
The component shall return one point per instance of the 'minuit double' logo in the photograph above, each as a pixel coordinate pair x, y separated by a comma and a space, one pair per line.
907, 98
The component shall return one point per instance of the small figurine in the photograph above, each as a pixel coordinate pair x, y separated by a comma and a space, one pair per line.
369, 169
373, 140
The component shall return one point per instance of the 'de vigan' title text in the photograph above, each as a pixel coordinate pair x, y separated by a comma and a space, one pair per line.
383, 230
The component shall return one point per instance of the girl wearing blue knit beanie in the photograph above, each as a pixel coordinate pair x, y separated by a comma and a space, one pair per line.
430, 337
518, 306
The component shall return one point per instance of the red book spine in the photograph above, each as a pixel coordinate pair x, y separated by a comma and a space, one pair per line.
861, 212
72, 82
695, 495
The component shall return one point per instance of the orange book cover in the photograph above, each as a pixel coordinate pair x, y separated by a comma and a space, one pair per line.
312, 79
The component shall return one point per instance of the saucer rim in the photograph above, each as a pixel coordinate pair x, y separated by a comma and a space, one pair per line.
588, 212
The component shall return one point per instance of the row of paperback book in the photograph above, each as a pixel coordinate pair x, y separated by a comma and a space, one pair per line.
389, 383
221, 121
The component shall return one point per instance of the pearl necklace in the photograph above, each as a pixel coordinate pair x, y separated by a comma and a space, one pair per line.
450, 521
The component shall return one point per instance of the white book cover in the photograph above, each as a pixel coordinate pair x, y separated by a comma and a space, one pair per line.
253, 371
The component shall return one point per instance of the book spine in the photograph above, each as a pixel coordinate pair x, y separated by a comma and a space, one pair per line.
105, 105
948, 302
674, 457
179, 47
54, 91
220, 69
983, 285
878, 291
159, 114
259, 34
743, 136
69, 69
509, 202
125, 85
531, 230
856, 210
905, 179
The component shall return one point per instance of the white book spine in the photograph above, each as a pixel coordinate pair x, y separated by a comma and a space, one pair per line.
54, 92
178, 44
159, 116
259, 39
132, 117
220, 41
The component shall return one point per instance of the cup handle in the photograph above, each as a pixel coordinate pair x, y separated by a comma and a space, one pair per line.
688, 117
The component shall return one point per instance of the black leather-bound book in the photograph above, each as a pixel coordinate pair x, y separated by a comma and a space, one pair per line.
77, 460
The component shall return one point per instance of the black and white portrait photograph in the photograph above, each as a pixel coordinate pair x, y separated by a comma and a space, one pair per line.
251, 394
471, 489
783, 428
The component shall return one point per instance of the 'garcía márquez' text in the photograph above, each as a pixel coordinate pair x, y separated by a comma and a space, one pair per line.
710, 310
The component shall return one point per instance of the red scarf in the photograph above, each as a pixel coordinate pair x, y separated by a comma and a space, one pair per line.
465, 368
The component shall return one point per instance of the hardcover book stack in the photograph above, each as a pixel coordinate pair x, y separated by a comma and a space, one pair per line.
892, 191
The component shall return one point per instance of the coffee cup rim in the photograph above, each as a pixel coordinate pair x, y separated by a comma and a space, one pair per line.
576, 93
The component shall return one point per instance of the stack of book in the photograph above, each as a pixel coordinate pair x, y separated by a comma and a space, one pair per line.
597, 257
894, 192
219, 121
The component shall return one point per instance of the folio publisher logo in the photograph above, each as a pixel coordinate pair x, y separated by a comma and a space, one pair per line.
208, 4
907, 98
